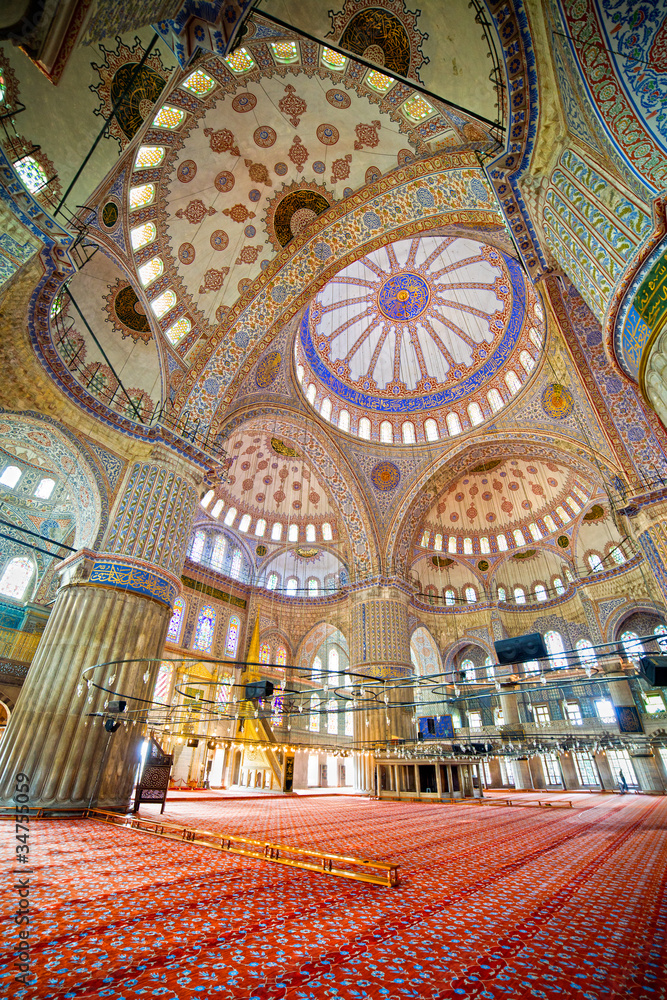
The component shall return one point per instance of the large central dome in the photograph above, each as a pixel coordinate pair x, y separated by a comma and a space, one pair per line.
416, 324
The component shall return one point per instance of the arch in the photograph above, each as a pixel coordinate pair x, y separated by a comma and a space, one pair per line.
424, 652
477, 642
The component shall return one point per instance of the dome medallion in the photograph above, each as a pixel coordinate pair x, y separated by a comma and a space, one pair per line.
404, 296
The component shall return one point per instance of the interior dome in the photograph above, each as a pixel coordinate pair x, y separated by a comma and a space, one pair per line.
416, 327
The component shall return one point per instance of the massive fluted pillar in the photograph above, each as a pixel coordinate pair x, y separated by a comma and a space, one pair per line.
380, 648
113, 604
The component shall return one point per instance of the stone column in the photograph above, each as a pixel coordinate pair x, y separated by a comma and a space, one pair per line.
512, 725
380, 649
114, 604
569, 771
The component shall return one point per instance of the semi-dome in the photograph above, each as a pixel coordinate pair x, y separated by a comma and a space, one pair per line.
417, 330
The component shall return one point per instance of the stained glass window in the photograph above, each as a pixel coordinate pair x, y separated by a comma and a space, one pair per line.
631, 644
316, 669
273, 581
199, 83
554, 643
502, 594
541, 592
217, 507
426, 537
218, 553
431, 430
437, 542
559, 585
222, 691
232, 636
408, 432
293, 533
163, 303
475, 414
168, 117
467, 546
10, 476
365, 428
3, 88
230, 516
277, 712
205, 501
149, 156
260, 528
468, 668
512, 382
344, 420
502, 543
285, 52
518, 536
310, 532
143, 195
16, 577
292, 584
264, 652
44, 489
563, 515
197, 546
349, 724
178, 330
334, 60
484, 546
661, 630
549, 521
471, 595
150, 271
31, 173
452, 544
535, 531
418, 108
162, 682
332, 717
240, 61
244, 523
176, 621
450, 597
386, 432
528, 361
519, 595
205, 629
237, 560
143, 235
495, 400
314, 723
379, 81
586, 652
281, 656
276, 531
595, 563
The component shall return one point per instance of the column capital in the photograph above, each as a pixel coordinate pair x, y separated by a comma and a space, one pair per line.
119, 572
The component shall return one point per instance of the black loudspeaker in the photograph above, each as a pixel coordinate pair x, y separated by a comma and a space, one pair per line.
258, 689
111, 726
654, 669
192, 743
116, 706
521, 649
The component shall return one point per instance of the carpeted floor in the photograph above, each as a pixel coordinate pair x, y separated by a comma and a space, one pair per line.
496, 903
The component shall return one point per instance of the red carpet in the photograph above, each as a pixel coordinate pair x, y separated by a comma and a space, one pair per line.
496, 903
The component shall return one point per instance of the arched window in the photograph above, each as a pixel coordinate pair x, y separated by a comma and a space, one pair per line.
141, 196
273, 581
471, 595
244, 523
230, 517
453, 424
206, 499
475, 414
450, 597
293, 533
518, 536
176, 620
661, 630
540, 592
197, 546
16, 577
217, 508
277, 710
327, 533
344, 420
260, 528
218, 553
349, 724
554, 644
44, 489
365, 428
300, 372
490, 668
292, 584
467, 546
528, 361
332, 717
276, 531
310, 532
311, 393
31, 173
502, 543
495, 400
325, 408
178, 330
281, 656
631, 644
10, 476
512, 382
313, 587
408, 432
586, 652
535, 336
519, 595
617, 555
150, 271
316, 669
573, 504
595, 563
563, 515
237, 562
333, 661
149, 156
559, 585
314, 723
426, 538
502, 594
232, 640
162, 683
550, 523
205, 629
535, 532
437, 542
431, 430
265, 653
484, 547
468, 668
386, 432
452, 545
141, 236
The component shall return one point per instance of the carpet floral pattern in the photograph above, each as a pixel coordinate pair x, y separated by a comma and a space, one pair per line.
494, 903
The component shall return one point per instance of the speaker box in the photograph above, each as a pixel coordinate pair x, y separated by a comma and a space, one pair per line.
654, 669
521, 649
258, 689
